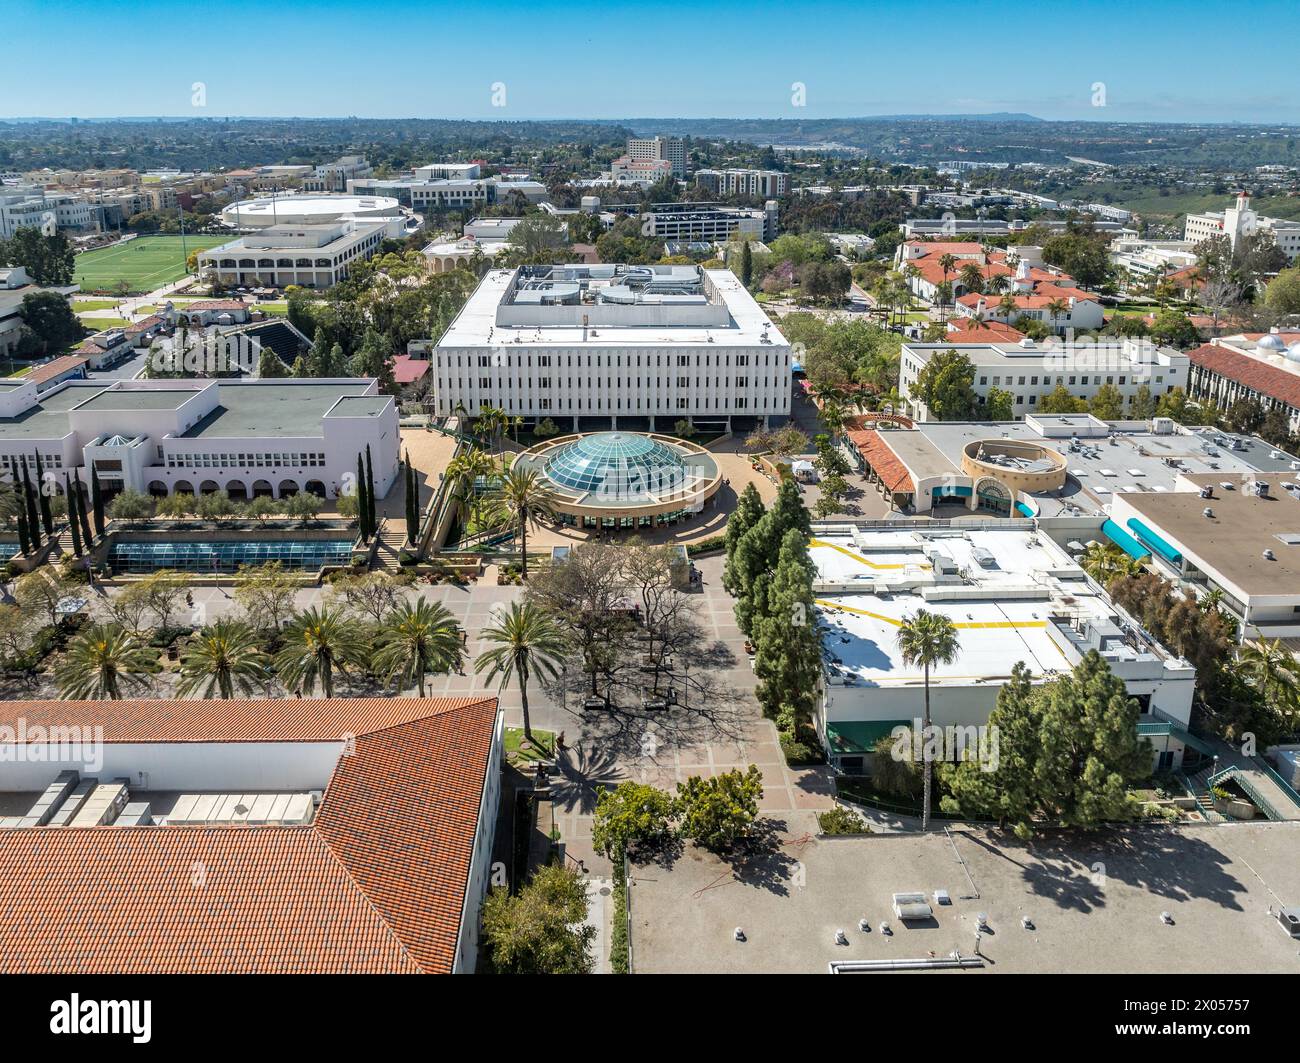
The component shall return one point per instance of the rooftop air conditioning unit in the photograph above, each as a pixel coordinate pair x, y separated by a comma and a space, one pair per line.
1269, 555
1208, 513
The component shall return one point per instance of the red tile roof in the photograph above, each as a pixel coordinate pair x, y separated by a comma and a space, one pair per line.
881, 457
52, 370
213, 304
1257, 375
407, 370
968, 330
375, 884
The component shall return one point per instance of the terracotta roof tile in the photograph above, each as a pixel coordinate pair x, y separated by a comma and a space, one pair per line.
63, 364
881, 457
1251, 372
376, 884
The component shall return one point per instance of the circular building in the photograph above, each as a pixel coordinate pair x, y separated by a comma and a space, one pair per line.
1002, 468
623, 479
307, 209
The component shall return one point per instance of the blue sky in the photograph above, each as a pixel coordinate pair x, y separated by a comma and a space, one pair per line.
1158, 60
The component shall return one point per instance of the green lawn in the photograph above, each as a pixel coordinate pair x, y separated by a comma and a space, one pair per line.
82, 305
145, 263
515, 754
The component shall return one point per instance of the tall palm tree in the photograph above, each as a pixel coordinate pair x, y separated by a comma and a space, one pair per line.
526, 497
927, 639
417, 639
1007, 306
526, 641
318, 642
105, 661
1272, 670
972, 277
224, 657
1056, 308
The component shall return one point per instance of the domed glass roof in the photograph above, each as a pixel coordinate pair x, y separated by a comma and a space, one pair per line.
617, 465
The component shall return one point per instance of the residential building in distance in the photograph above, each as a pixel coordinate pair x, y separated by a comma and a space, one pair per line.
701, 222
1149, 261
193, 436
614, 345
32, 207
913, 228
1013, 595
448, 186
1263, 367
767, 184
670, 149
1030, 371
312, 255
1012, 284
642, 173
334, 176
1240, 220
342, 836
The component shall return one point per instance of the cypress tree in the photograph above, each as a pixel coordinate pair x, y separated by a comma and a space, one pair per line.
47, 517
370, 491
412, 505
29, 497
363, 510
97, 501
74, 523
24, 544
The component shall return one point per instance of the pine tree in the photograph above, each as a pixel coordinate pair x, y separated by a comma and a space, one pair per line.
412, 504
74, 525
746, 264
97, 502
748, 512
47, 517
787, 656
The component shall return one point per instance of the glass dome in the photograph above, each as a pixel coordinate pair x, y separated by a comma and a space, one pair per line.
617, 466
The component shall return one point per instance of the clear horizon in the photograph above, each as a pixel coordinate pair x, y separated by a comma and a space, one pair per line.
549, 61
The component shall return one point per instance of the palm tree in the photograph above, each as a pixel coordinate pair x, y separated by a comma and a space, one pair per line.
463, 471
526, 497
972, 277
1272, 670
417, 639
1106, 563
1007, 306
1056, 308
105, 661
927, 639
526, 641
316, 643
225, 656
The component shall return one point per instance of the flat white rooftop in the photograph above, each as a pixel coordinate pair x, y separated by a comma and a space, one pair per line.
476, 324
1000, 588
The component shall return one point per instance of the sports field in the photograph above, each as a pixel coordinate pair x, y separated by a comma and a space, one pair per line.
145, 263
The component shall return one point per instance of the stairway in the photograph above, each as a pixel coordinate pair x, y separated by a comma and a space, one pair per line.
392, 537
1199, 785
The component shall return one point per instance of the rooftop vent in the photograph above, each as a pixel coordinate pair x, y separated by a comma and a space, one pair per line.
1269, 555
1208, 513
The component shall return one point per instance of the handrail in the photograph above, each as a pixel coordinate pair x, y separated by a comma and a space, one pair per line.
1287, 788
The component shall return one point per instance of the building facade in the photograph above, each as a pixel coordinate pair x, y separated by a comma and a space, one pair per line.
767, 184
313, 256
1240, 220
195, 436
636, 344
1031, 371
672, 149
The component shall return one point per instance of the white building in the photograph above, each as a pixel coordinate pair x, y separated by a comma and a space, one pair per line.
248, 438
1030, 371
334, 176
608, 342
704, 223
641, 173
15, 286
31, 207
768, 184
671, 148
1240, 220
308, 209
1150, 260
1012, 594
1234, 534
313, 256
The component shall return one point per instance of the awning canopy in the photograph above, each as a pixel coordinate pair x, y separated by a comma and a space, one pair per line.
1124, 541
1154, 541
859, 736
